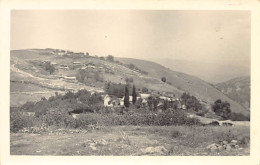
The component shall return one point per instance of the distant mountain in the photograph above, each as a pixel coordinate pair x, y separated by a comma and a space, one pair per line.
237, 89
184, 82
210, 72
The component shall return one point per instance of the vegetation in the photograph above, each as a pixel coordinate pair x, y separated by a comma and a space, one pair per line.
129, 140
110, 58
134, 95
129, 80
163, 79
114, 89
57, 109
126, 99
84, 76
144, 90
222, 109
191, 102
48, 67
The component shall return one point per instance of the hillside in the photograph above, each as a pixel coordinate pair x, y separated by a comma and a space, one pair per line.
30, 81
73, 71
184, 82
237, 89
210, 72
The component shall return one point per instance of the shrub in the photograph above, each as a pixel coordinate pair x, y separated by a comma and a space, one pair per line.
48, 67
27, 106
144, 90
55, 117
110, 58
175, 134
19, 121
163, 79
191, 102
222, 109
226, 136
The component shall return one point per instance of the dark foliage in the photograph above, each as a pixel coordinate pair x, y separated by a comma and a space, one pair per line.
48, 67
191, 102
144, 90
153, 102
84, 76
129, 80
222, 109
117, 90
126, 99
110, 58
134, 95
163, 79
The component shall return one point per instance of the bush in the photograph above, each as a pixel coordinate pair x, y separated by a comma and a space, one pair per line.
163, 79
175, 134
19, 121
144, 90
110, 58
222, 109
226, 136
191, 102
48, 67
27, 106
57, 117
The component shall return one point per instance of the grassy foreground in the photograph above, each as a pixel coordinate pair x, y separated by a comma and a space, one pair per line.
131, 141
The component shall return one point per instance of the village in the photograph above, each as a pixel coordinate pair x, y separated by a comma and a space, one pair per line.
112, 101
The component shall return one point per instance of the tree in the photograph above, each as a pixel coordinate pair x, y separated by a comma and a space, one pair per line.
163, 79
155, 102
144, 90
150, 102
129, 80
222, 109
191, 102
131, 66
110, 58
48, 67
126, 99
134, 95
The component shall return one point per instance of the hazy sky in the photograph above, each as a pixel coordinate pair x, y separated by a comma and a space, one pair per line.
208, 36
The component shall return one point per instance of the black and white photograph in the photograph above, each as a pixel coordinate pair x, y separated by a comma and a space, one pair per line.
130, 82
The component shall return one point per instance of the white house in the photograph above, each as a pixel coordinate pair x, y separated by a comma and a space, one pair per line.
54, 63
107, 101
76, 63
165, 98
144, 95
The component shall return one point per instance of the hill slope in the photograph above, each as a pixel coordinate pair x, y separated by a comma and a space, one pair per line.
195, 86
27, 72
237, 89
210, 72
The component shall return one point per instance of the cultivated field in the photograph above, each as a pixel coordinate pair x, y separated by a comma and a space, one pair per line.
132, 140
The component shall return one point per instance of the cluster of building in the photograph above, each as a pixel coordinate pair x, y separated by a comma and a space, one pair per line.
112, 101
60, 52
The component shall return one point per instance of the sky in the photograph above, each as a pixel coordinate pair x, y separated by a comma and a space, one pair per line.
221, 37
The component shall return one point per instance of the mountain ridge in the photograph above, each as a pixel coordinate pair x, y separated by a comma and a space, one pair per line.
237, 89
211, 72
